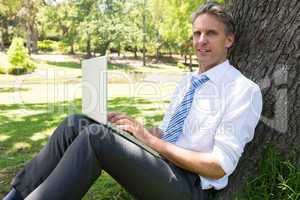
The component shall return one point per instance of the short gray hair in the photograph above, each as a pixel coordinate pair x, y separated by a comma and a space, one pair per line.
218, 10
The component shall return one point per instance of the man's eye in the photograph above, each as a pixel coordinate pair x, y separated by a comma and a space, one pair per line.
197, 33
211, 33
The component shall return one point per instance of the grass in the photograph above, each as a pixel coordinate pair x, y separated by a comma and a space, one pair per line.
24, 129
278, 178
59, 70
13, 89
69, 64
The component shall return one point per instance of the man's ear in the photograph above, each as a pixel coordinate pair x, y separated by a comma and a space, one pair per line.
229, 40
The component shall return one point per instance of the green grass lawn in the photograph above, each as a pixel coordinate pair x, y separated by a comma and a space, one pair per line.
24, 129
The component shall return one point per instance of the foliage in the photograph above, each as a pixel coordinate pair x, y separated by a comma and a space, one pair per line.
19, 59
2, 70
278, 179
181, 65
94, 26
46, 45
56, 46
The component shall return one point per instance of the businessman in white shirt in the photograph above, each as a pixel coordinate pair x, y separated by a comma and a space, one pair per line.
211, 117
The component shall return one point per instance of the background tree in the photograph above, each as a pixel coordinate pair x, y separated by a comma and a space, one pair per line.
267, 50
27, 16
133, 29
59, 21
8, 14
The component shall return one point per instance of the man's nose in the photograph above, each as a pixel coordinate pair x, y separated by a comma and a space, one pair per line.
202, 39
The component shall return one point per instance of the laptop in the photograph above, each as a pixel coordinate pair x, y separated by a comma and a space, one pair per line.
94, 97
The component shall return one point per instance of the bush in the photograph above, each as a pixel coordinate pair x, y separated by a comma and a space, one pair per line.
181, 65
62, 47
2, 70
16, 71
46, 45
50, 45
19, 59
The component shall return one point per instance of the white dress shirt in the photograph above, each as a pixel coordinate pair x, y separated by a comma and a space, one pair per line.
222, 119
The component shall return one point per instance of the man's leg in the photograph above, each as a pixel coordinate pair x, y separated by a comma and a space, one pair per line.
142, 174
38, 169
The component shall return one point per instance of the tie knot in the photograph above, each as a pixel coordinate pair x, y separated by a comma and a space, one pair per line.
197, 81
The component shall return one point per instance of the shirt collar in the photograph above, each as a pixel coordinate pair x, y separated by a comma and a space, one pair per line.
217, 73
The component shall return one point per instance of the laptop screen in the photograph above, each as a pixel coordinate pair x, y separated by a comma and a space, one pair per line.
94, 88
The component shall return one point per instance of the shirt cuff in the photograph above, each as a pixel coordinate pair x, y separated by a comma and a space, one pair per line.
226, 163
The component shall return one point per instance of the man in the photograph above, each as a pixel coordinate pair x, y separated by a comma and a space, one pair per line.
212, 116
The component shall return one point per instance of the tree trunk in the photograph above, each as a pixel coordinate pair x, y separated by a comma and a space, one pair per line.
72, 51
28, 41
157, 54
170, 52
191, 62
88, 47
1, 42
267, 51
144, 35
104, 48
34, 39
135, 52
185, 58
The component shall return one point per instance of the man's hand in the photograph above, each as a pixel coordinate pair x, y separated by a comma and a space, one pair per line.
200, 163
129, 124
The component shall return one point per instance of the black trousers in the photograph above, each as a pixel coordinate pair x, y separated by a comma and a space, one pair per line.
80, 148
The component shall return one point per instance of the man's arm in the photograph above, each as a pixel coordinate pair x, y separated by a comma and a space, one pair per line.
203, 164
157, 132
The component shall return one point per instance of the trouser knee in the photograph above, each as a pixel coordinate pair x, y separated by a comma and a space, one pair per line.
100, 138
97, 131
77, 121
70, 127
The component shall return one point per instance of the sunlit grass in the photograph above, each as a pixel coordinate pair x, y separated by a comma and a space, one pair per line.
13, 89
25, 128
3, 137
22, 136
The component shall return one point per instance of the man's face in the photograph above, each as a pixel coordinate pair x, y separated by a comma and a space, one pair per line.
210, 41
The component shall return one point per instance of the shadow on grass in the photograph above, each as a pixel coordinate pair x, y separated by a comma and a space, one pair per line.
23, 121
13, 89
73, 65
124, 67
153, 66
25, 128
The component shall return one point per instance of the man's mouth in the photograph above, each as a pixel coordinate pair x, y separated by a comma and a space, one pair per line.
203, 50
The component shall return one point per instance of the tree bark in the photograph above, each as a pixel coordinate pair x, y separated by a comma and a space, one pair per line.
267, 51
135, 52
157, 54
191, 62
34, 38
170, 52
1, 41
88, 47
72, 51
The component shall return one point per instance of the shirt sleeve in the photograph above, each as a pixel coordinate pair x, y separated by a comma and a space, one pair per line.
237, 127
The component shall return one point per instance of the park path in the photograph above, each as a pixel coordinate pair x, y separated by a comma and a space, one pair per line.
60, 84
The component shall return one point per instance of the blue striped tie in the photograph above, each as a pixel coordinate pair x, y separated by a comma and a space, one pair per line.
175, 127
